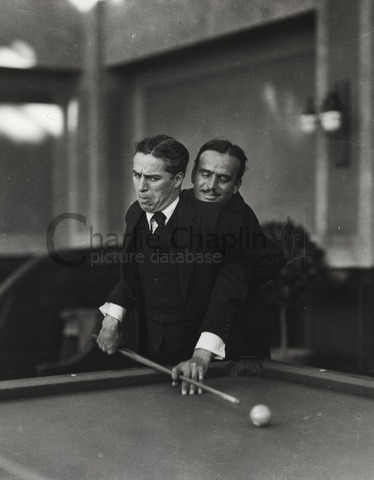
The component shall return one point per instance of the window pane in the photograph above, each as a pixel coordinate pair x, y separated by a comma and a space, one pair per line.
28, 134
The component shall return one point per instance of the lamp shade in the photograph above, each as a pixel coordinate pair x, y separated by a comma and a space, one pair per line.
309, 118
331, 121
332, 113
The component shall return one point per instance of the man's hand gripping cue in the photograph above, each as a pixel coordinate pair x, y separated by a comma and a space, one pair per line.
194, 368
110, 335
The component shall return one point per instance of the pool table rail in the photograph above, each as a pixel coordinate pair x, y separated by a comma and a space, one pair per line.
81, 382
319, 377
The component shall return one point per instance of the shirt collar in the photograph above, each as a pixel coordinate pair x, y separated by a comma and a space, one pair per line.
168, 212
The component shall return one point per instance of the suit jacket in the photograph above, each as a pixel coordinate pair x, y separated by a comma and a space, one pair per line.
269, 258
212, 292
249, 334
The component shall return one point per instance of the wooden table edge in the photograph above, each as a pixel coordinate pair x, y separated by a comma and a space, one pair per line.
320, 377
81, 382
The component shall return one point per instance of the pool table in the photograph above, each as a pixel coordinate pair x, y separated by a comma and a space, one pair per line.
133, 425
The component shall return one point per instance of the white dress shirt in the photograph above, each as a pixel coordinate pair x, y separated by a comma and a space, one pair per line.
208, 341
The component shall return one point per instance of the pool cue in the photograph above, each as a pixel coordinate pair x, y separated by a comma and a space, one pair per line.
148, 363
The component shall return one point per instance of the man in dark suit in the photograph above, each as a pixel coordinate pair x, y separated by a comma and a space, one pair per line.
179, 292
217, 175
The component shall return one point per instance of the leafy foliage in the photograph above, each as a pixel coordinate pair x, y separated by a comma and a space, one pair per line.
294, 284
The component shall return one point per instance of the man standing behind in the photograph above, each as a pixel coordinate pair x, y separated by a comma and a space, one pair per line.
217, 176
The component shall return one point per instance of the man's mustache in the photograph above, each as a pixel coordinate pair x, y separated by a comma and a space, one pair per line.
210, 192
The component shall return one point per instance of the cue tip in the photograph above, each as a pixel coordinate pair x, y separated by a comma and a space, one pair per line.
231, 399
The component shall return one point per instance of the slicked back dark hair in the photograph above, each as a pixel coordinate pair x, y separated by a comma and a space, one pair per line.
173, 153
224, 146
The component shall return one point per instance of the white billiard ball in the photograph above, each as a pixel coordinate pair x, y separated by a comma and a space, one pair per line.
260, 415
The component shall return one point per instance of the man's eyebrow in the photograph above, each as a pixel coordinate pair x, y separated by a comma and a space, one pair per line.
146, 175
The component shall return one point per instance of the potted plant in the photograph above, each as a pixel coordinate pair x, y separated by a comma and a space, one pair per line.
305, 268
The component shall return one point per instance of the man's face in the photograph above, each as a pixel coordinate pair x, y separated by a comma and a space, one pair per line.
215, 177
155, 187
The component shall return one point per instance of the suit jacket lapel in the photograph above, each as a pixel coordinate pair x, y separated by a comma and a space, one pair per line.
132, 220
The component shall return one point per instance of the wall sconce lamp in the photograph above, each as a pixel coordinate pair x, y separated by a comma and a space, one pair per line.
331, 116
334, 121
309, 118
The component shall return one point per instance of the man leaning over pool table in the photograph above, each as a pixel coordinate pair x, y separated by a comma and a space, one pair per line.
182, 311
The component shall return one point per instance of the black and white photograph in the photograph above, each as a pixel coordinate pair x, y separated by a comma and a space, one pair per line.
186, 239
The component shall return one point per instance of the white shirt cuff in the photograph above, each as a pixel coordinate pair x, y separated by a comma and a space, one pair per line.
113, 310
213, 343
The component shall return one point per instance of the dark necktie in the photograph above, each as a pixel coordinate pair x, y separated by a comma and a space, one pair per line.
160, 218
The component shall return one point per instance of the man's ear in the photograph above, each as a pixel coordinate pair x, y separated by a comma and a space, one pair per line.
178, 179
193, 176
237, 185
